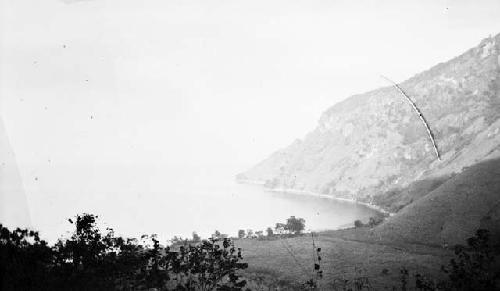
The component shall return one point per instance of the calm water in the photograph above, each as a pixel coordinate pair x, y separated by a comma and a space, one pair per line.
139, 200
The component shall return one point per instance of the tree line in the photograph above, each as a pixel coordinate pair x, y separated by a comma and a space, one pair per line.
292, 227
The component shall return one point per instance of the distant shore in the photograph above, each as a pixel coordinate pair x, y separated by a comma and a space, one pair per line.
314, 194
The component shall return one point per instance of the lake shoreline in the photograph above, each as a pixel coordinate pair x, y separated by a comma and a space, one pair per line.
314, 194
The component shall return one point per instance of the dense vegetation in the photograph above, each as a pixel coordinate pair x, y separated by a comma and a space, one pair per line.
92, 260
373, 221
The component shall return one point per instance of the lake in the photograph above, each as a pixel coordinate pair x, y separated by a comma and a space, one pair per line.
137, 200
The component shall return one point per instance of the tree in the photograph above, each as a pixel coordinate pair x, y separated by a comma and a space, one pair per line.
259, 233
280, 228
91, 260
269, 231
216, 234
211, 265
249, 233
95, 260
24, 260
196, 237
241, 233
358, 223
295, 225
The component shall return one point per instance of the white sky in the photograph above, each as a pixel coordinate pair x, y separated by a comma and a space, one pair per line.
127, 82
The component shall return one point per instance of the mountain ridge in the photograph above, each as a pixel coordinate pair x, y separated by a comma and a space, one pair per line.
373, 142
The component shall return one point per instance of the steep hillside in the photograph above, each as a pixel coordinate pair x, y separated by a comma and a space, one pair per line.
453, 211
397, 198
373, 142
13, 204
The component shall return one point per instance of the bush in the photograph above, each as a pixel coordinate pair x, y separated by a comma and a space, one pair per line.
473, 268
374, 221
358, 223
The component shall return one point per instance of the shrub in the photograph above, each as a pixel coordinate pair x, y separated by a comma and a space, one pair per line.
473, 268
358, 223
374, 221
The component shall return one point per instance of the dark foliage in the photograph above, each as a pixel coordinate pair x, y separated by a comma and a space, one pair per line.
91, 260
24, 258
474, 266
473, 269
372, 222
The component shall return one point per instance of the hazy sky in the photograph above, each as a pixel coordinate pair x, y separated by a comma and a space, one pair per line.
203, 82
135, 83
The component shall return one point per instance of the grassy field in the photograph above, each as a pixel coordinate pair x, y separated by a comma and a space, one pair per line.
419, 237
285, 264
